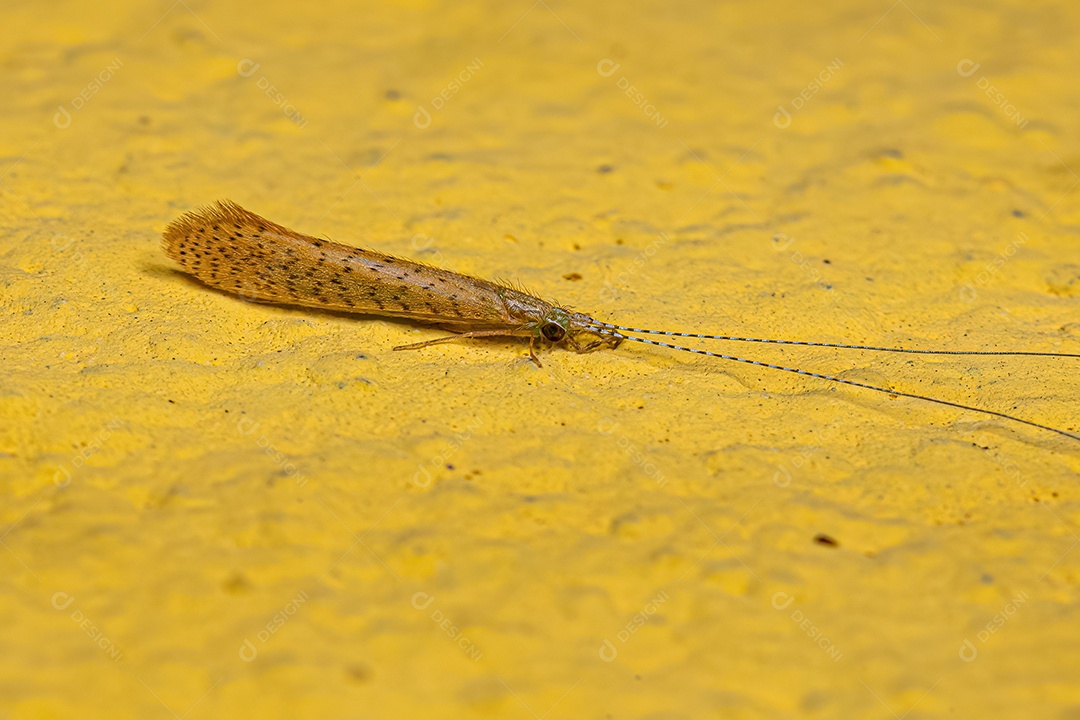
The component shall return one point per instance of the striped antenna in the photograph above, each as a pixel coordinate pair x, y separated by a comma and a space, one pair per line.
832, 378
597, 325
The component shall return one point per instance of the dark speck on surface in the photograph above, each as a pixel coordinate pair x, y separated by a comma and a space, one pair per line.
604, 169
826, 540
358, 673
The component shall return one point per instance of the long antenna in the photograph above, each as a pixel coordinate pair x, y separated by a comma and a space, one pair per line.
598, 325
832, 378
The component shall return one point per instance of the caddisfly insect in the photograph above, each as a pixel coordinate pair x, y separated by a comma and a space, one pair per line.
228, 247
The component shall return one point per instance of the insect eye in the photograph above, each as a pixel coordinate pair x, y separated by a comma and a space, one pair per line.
553, 332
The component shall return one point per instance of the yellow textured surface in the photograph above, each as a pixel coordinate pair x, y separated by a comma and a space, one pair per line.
213, 508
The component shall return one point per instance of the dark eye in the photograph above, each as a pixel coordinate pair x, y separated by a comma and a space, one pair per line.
553, 332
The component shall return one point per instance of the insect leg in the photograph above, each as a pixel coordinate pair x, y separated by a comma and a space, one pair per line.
609, 341
471, 334
532, 351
